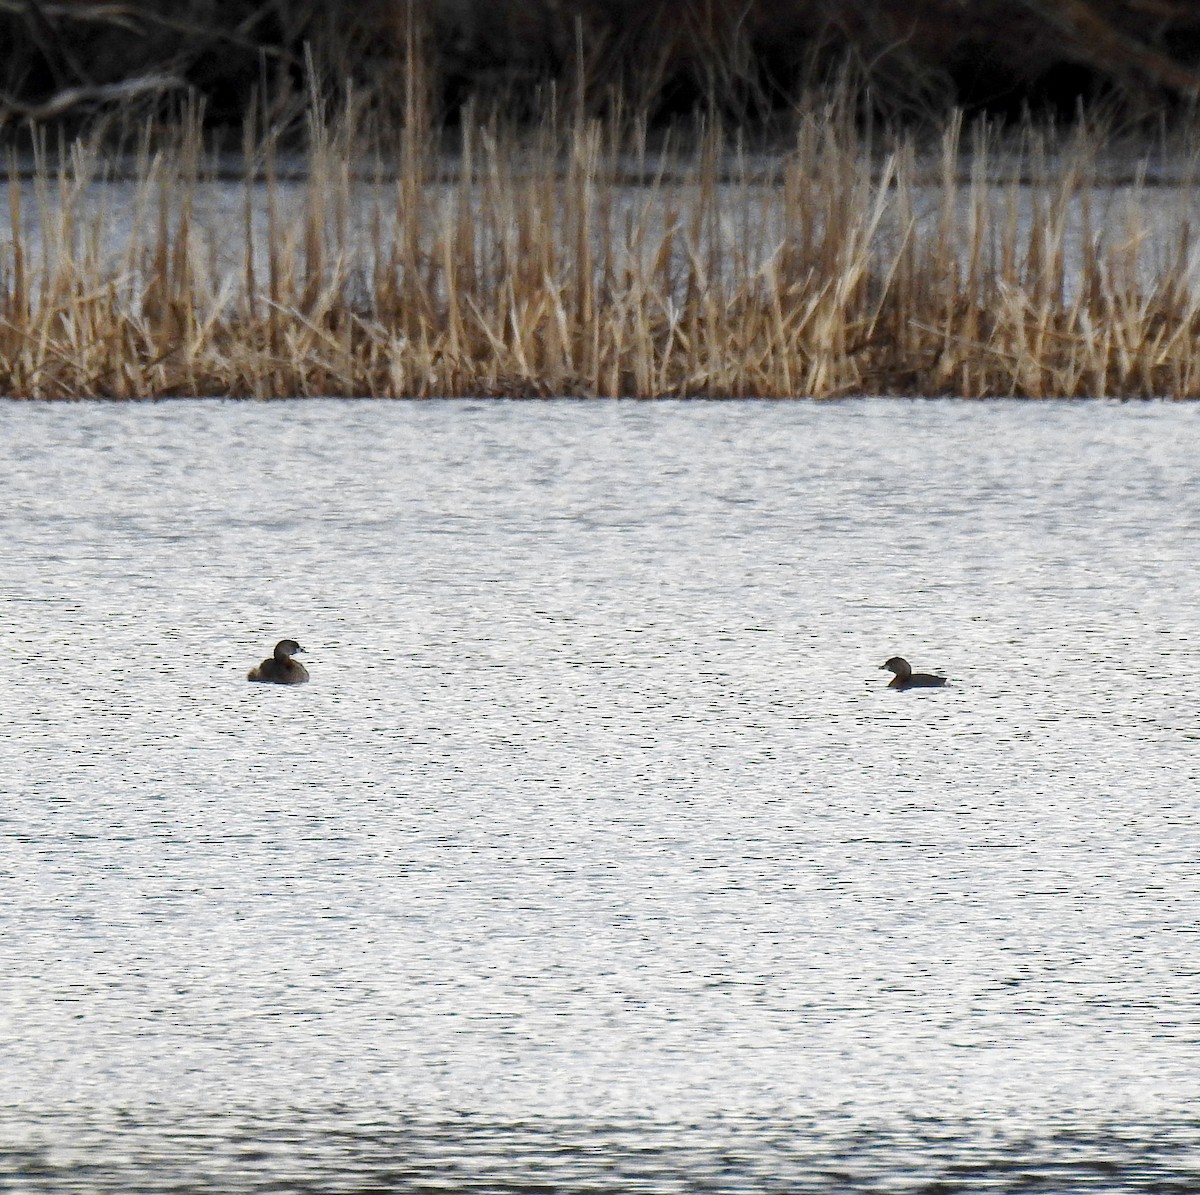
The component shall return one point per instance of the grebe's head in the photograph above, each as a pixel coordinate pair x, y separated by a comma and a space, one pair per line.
898, 666
286, 648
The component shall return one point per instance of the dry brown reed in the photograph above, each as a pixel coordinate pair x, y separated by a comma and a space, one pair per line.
574, 260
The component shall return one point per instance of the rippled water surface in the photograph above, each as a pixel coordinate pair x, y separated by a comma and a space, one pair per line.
597, 856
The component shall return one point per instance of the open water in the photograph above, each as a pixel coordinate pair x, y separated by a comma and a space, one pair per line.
597, 857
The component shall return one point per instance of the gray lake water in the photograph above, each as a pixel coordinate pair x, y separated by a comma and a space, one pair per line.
597, 856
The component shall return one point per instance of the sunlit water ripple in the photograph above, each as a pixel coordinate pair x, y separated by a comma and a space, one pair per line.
597, 857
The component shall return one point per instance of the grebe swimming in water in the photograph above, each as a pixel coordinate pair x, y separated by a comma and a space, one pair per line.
280, 668
905, 678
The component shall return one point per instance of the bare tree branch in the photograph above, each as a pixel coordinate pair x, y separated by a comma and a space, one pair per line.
70, 98
1105, 43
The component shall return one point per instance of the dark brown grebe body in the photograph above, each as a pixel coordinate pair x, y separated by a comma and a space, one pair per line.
903, 677
280, 668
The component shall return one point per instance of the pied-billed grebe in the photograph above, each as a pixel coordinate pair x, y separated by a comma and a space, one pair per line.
280, 668
905, 678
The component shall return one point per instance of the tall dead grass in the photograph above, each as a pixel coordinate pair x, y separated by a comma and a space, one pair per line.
573, 260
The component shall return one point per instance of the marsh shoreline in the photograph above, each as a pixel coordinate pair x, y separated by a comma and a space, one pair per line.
588, 261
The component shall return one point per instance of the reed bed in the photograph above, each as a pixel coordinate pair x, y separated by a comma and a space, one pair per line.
573, 260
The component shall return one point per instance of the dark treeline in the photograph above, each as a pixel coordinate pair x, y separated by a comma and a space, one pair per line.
69, 58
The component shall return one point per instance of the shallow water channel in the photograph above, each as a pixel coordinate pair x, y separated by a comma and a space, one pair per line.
597, 856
